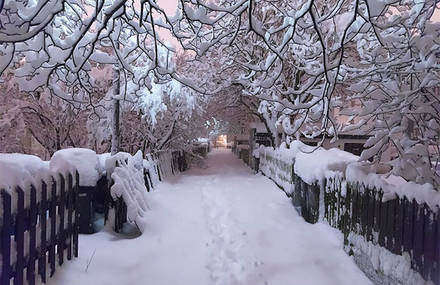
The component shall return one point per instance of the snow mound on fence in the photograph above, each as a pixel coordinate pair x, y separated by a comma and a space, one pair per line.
128, 178
150, 165
364, 173
102, 158
22, 170
83, 160
322, 164
112, 161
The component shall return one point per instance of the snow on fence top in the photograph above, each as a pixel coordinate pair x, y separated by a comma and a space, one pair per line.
313, 165
83, 160
112, 160
364, 173
22, 170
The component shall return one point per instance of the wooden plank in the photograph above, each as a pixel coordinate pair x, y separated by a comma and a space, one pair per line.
408, 226
436, 267
146, 182
429, 249
377, 213
418, 241
149, 178
43, 222
364, 211
53, 235
347, 214
326, 201
398, 227
371, 213
32, 237
61, 231
390, 224
76, 221
332, 207
19, 237
6, 224
354, 207
69, 215
383, 223
158, 172
339, 203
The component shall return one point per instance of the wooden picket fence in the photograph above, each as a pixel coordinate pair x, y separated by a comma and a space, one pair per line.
398, 225
40, 232
167, 163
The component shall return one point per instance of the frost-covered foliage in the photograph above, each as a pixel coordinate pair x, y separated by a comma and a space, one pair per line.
61, 42
67, 47
397, 86
300, 61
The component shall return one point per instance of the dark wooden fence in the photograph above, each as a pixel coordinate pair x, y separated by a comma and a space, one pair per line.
399, 225
177, 163
39, 230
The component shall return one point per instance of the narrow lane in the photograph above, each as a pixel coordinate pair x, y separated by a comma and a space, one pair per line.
219, 225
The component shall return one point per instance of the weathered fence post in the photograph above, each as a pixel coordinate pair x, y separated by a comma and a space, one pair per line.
43, 237
69, 215
76, 222
53, 235
6, 237
19, 237
32, 236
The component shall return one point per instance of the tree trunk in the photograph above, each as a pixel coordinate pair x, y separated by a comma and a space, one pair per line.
116, 132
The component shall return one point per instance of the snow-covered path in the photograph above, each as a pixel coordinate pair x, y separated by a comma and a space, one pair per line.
218, 225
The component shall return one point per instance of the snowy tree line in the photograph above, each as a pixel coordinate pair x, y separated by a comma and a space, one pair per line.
297, 65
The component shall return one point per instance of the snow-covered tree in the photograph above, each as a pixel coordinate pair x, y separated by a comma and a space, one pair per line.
397, 81
295, 55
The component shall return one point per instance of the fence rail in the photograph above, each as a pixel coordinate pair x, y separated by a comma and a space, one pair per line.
399, 225
39, 229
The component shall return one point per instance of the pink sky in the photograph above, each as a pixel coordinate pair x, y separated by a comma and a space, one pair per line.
170, 7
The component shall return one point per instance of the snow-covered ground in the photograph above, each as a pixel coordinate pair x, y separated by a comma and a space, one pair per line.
216, 225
